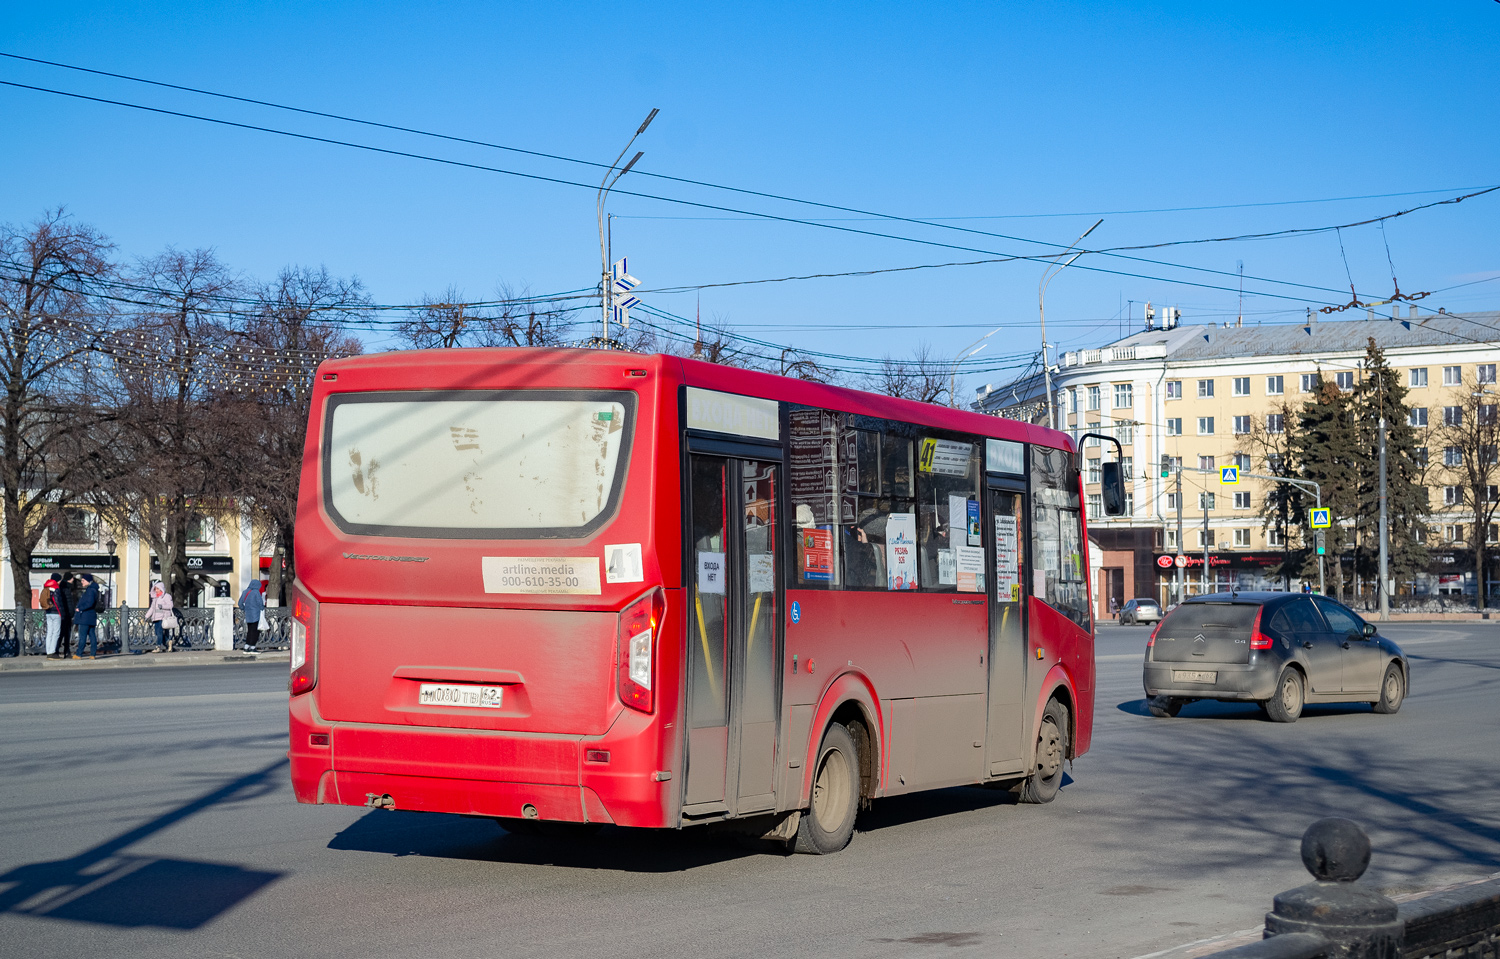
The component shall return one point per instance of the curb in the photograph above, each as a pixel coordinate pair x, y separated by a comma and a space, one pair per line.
140, 661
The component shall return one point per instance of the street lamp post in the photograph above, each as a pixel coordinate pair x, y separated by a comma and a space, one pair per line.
605, 185
964, 354
1041, 306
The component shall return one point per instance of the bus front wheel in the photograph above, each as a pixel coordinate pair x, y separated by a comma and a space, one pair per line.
828, 824
1051, 753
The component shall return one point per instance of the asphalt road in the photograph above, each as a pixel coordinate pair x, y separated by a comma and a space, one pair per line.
147, 813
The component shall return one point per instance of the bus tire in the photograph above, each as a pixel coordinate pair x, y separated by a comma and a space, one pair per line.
828, 823
1051, 754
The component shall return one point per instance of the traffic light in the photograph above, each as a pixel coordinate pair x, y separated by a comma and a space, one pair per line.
1322, 544
1166, 466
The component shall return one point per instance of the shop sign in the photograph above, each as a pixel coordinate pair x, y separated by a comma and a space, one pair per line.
201, 564
78, 562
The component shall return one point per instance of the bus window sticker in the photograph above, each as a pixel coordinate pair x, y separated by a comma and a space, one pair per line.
711, 572
970, 569
901, 551
947, 567
976, 532
817, 554
622, 563
945, 457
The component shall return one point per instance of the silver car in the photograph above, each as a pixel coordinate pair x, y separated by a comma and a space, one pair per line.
1139, 611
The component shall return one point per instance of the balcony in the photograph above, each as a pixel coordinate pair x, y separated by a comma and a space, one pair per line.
1115, 354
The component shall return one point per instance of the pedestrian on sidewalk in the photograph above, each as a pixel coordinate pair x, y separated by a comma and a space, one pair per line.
47, 603
162, 617
251, 604
86, 615
63, 599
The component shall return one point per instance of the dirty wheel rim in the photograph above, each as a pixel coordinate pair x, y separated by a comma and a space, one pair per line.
831, 789
1290, 698
1392, 687
1049, 751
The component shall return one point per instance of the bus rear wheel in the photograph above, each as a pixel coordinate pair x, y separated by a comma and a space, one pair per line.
1051, 752
828, 824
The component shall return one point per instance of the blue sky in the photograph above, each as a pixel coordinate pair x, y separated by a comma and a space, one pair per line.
1002, 113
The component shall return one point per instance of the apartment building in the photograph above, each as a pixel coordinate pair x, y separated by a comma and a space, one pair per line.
1197, 393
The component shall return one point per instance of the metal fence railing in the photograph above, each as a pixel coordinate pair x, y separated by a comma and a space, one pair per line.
120, 630
275, 628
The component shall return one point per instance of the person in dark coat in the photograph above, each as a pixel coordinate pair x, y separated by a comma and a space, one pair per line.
66, 590
86, 615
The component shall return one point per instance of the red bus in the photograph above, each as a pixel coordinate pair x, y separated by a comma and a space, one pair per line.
570, 586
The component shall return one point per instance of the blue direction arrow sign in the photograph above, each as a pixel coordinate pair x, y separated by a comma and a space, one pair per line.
1320, 518
620, 296
1229, 475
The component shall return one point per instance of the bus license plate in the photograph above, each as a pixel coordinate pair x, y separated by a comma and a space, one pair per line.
437, 694
1194, 676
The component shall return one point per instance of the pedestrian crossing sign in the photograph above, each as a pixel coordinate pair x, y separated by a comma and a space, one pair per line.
1229, 475
1320, 518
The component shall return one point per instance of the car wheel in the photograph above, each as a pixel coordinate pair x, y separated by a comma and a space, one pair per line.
1164, 707
828, 824
1392, 690
1286, 705
1051, 753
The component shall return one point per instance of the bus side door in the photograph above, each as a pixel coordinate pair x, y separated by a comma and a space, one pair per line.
734, 640
1005, 735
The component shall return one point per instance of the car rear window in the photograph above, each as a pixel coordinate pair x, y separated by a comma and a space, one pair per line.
1190, 618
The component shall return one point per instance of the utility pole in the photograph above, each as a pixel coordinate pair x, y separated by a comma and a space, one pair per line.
605, 185
1181, 565
1385, 599
1206, 589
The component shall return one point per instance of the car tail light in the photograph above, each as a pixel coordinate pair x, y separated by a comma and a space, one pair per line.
640, 628
304, 655
1152, 641
1258, 639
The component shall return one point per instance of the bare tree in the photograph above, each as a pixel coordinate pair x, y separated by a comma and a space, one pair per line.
1470, 438
513, 319
922, 377
1282, 506
159, 460
298, 323
48, 320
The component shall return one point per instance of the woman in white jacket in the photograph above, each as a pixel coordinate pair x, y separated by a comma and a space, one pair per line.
161, 615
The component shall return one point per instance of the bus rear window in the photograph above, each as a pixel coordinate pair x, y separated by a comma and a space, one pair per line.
475, 465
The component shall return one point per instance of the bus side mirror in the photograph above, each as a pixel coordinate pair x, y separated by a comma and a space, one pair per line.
1112, 485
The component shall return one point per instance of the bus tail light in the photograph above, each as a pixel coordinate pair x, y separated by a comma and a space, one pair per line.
1258, 639
640, 627
304, 656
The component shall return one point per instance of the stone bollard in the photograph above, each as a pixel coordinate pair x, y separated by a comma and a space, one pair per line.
1357, 922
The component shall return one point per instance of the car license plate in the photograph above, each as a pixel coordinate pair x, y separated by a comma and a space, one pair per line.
1194, 676
438, 694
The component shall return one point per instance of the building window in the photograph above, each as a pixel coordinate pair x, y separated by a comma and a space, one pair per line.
1205, 426
1417, 377
1093, 397
1274, 538
1129, 504
1174, 389
1275, 422
1242, 460
200, 531
1489, 454
1241, 425
1493, 533
1416, 416
1096, 505
1420, 455
1127, 467
1170, 540
1487, 414
1273, 463
1491, 493
74, 526
1454, 533
1452, 456
1274, 386
1205, 388
1124, 396
1242, 537
1205, 462
1453, 416
1171, 501
1486, 372
1241, 386
1174, 463
1309, 382
1125, 433
1241, 500
1205, 537
1069, 400
1453, 495
1093, 471
1344, 379
1174, 426
1206, 501
1453, 375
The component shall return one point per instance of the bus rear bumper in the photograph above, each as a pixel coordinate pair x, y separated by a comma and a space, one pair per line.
488, 774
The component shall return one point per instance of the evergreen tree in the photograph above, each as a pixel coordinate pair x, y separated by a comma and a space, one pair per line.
1382, 394
1327, 448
